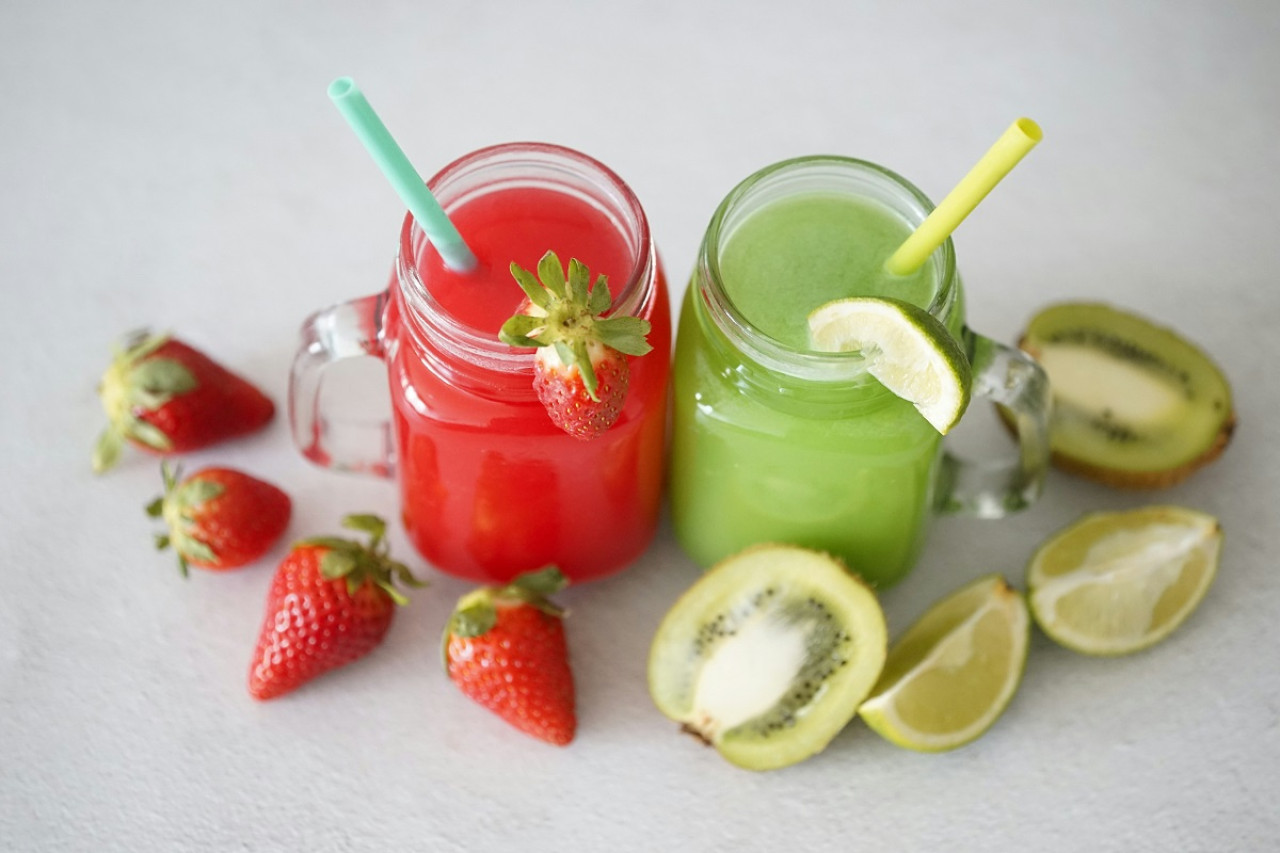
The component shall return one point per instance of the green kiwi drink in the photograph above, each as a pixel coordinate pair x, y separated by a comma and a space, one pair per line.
774, 442
798, 253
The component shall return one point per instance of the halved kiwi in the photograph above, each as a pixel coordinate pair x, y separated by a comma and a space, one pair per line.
1135, 404
768, 655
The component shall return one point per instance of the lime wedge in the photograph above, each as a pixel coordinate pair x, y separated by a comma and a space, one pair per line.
952, 674
1117, 582
910, 352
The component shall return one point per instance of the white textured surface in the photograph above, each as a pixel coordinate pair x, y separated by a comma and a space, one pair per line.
178, 164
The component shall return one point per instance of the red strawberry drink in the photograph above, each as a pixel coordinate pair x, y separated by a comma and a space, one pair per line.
491, 484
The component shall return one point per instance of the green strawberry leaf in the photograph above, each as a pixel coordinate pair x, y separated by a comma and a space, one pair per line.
365, 523
162, 376
473, 619
396, 595
552, 274
195, 492
629, 345
162, 541
537, 294
149, 401
156, 508
338, 564
543, 582
637, 326
583, 359
106, 453
565, 353
532, 588
148, 434
170, 475
600, 299
579, 282
195, 549
515, 332
359, 564
404, 575
625, 334
331, 542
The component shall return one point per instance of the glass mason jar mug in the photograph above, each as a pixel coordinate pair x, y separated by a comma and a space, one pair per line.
489, 486
775, 442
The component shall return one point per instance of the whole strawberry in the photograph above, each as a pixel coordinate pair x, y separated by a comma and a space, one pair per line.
505, 648
330, 603
167, 397
581, 371
219, 518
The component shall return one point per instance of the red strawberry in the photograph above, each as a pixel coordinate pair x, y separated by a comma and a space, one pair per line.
505, 648
219, 518
166, 397
331, 602
563, 391
581, 371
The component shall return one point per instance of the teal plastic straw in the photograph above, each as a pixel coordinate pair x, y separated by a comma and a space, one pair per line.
408, 184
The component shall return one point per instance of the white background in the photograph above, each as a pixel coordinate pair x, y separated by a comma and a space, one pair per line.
178, 164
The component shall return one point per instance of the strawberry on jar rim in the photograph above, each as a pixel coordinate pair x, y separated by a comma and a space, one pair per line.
165, 396
505, 648
331, 602
218, 518
580, 369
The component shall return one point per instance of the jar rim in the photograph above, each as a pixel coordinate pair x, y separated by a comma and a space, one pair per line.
762, 347
509, 165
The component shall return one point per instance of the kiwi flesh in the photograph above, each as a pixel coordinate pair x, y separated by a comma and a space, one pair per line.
768, 655
1135, 405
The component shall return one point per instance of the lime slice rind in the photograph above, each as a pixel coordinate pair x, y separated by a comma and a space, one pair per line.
905, 348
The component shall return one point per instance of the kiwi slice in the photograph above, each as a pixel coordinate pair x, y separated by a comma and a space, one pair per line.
768, 655
1135, 404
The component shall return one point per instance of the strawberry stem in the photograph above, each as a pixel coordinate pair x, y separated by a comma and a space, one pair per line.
137, 382
569, 316
477, 611
358, 563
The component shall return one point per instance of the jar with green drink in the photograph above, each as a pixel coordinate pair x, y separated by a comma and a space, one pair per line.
776, 442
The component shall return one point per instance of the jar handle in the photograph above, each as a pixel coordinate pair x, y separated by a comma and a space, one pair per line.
331, 439
1013, 381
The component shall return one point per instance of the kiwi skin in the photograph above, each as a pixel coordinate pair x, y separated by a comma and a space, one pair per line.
1134, 479
1143, 480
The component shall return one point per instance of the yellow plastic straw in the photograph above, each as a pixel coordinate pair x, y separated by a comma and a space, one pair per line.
999, 160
